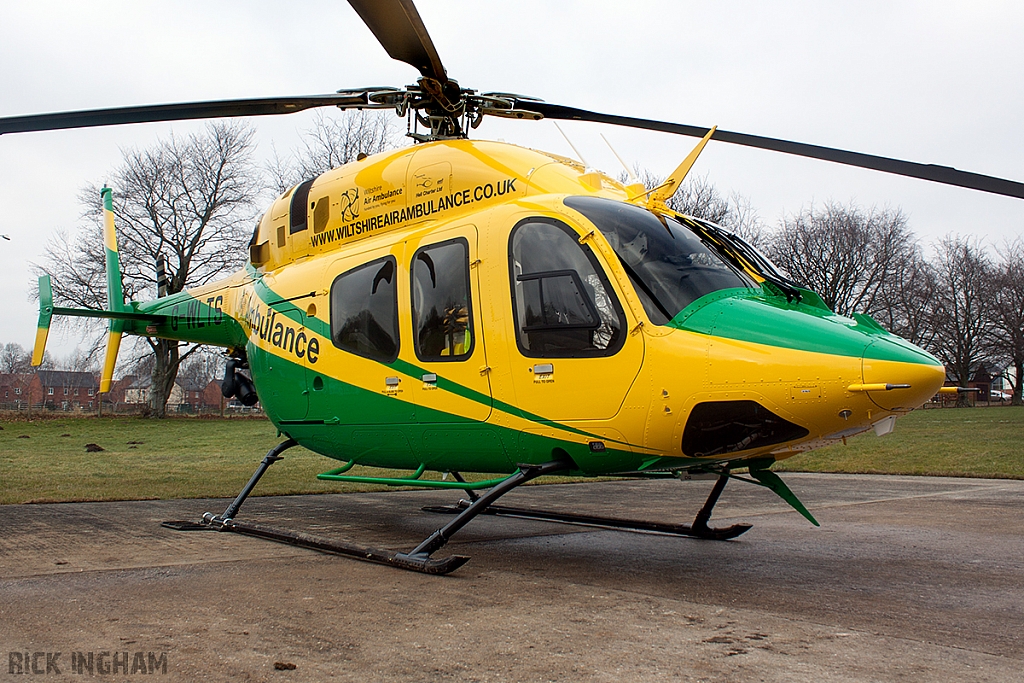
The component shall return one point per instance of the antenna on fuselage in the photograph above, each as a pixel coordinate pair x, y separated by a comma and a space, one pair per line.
588, 166
629, 171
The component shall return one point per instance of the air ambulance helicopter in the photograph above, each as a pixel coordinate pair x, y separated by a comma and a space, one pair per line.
464, 306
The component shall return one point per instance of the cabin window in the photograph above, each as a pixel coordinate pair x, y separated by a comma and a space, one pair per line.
441, 315
321, 214
298, 208
364, 310
564, 304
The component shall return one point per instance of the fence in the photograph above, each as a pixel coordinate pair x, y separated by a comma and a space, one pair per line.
66, 408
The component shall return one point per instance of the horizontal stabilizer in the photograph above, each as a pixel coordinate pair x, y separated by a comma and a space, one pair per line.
110, 315
47, 310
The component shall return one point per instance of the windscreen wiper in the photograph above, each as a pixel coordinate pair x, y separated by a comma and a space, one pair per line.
745, 257
638, 282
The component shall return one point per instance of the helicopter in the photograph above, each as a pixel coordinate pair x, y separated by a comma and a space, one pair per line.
466, 306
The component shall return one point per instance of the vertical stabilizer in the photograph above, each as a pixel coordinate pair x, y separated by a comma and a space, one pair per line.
115, 290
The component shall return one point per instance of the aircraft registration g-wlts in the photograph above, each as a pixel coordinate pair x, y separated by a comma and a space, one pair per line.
468, 306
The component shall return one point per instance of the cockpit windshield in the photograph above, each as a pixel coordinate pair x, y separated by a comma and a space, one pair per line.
669, 265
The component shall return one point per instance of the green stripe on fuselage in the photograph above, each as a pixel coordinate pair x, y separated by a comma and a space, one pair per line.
285, 308
772, 321
348, 422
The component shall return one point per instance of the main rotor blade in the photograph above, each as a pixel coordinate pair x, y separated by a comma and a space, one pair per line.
399, 28
938, 174
177, 112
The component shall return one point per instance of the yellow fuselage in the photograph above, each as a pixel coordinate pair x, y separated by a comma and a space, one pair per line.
490, 404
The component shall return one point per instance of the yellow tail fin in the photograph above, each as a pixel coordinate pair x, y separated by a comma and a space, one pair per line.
662, 193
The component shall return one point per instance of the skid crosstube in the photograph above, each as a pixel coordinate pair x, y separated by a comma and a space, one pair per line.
638, 526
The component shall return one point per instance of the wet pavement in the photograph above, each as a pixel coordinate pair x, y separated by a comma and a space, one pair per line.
908, 578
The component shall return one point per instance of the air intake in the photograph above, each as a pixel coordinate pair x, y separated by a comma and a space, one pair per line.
718, 427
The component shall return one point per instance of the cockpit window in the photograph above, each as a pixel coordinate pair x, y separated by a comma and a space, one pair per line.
668, 264
564, 305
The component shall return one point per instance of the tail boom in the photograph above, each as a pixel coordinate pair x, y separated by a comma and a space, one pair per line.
201, 315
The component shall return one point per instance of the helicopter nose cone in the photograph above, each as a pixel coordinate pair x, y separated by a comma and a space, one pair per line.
890, 360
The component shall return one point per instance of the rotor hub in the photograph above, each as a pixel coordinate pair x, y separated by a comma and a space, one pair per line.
444, 111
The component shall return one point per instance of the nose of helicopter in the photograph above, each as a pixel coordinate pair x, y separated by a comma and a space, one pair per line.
847, 347
889, 361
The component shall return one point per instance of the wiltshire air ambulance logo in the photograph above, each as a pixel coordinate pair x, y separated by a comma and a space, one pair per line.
348, 203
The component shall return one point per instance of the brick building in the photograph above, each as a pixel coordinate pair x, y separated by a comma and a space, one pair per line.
200, 396
66, 390
18, 390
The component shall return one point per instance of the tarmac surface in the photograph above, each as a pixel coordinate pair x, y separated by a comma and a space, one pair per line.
908, 579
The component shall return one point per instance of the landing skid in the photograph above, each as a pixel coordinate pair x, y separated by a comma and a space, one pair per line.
427, 565
391, 558
419, 559
699, 528
637, 526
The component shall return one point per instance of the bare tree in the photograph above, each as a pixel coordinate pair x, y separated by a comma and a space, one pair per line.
962, 318
906, 304
845, 255
334, 140
77, 361
190, 200
745, 221
1008, 312
202, 367
14, 358
698, 197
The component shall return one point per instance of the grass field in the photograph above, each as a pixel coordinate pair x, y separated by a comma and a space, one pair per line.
173, 458
952, 442
199, 458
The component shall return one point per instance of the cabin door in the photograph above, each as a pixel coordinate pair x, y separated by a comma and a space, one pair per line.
448, 360
573, 357
357, 376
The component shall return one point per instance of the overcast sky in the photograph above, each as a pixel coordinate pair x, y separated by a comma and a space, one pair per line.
933, 82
